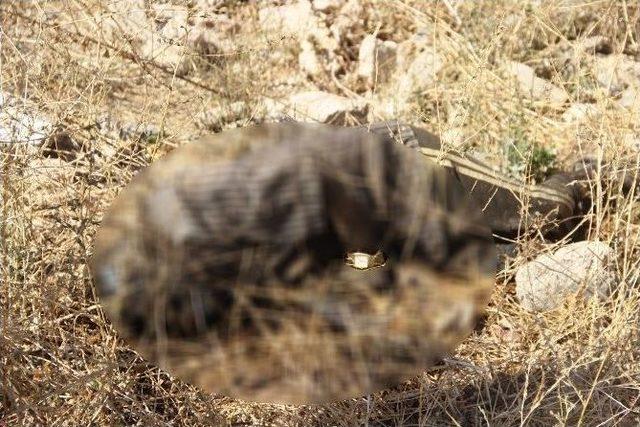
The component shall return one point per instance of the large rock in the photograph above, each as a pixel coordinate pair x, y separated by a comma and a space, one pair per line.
421, 73
580, 112
376, 59
324, 107
128, 19
422, 39
180, 35
614, 73
173, 22
535, 87
169, 35
216, 119
173, 57
413, 77
347, 21
290, 20
629, 99
593, 45
308, 59
318, 45
327, 5
21, 123
582, 268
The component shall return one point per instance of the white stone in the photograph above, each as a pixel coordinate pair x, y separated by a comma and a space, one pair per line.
453, 137
209, 5
418, 42
295, 19
421, 74
214, 37
579, 112
308, 59
629, 99
327, 5
376, 59
535, 87
130, 18
423, 37
216, 118
582, 267
347, 20
20, 123
298, 20
404, 53
173, 57
594, 44
323, 38
324, 107
631, 140
176, 25
614, 73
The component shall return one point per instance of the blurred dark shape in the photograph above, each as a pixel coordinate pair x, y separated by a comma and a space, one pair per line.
224, 263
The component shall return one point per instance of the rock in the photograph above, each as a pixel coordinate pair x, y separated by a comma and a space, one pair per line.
631, 140
174, 57
324, 107
376, 59
20, 123
129, 18
308, 59
209, 45
175, 33
421, 73
210, 5
403, 54
347, 21
453, 137
629, 99
413, 76
213, 37
595, 44
139, 131
125, 130
537, 88
408, 49
583, 268
296, 19
614, 73
579, 112
274, 110
423, 37
327, 5
174, 23
322, 39
216, 119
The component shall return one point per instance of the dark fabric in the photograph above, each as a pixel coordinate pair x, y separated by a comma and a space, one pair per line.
361, 192
511, 208
285, 207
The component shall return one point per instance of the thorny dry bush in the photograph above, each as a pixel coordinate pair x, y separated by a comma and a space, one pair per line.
74, 61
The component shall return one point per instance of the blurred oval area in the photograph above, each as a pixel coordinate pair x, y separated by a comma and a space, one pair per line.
294, 263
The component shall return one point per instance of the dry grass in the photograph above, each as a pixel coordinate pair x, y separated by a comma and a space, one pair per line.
61, 361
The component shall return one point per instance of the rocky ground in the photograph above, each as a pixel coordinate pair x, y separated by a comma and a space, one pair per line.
92, 91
